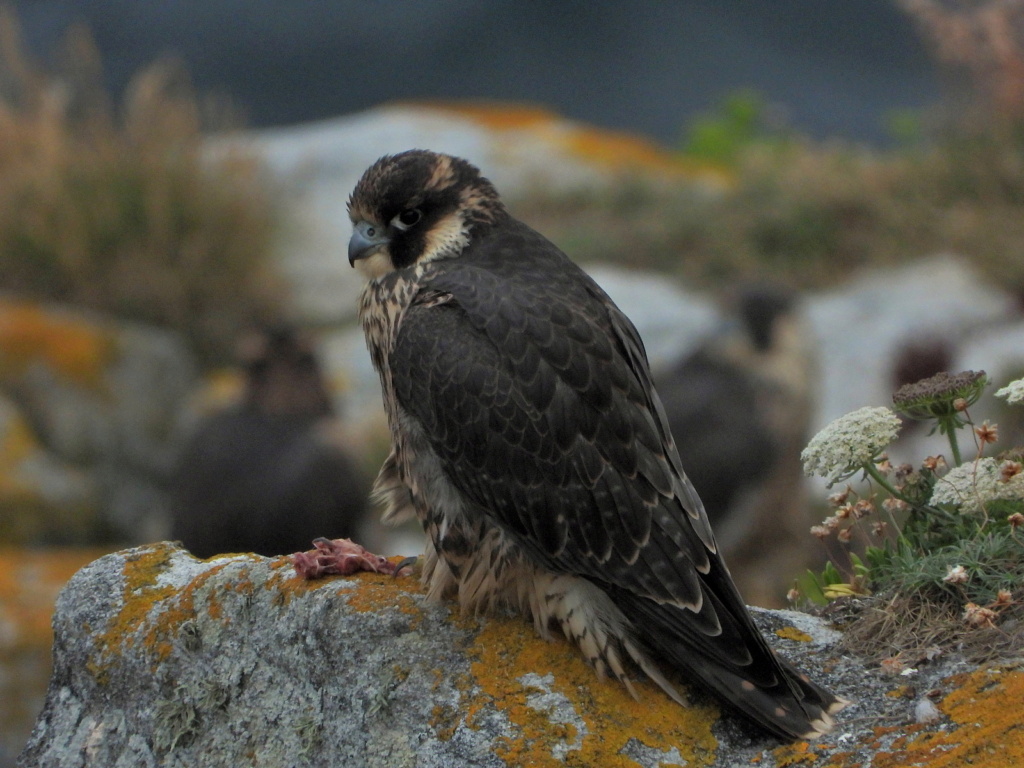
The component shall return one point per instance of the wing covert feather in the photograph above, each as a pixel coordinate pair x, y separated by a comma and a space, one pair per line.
539, 417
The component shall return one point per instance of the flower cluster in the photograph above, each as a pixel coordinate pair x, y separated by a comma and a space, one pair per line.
911, 522
975, 615
943, 395
974, 486
850, 443
1013, 392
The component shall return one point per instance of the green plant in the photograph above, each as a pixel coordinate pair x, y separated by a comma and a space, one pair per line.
949, 530
740, 120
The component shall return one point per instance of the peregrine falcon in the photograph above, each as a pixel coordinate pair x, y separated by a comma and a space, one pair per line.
529, 442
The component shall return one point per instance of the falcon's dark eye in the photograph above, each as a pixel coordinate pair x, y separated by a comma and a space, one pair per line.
406, 219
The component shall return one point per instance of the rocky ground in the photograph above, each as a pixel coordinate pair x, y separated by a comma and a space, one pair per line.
161, 660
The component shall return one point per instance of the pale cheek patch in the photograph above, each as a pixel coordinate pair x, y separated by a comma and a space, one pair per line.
377, 265
446, 238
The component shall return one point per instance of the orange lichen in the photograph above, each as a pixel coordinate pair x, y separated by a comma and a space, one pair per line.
17, 443
616, 150
181, 607
151, 614
792, 633
507, 649
799, 753
286, 584
622, 151
71, 347
498, 115
985, 706
374, 591
222, 388
141, 571
377, 591
903, 692
984, 710
23, 510
444, 719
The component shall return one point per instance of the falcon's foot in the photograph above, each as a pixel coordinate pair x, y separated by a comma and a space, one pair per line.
343, 557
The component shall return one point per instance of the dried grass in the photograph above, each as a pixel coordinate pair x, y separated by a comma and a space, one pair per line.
917, 626
982, 42
811, 214
118, 209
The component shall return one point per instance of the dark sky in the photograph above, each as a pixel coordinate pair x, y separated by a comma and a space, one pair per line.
836, 66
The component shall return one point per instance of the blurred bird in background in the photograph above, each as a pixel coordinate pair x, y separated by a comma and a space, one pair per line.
739, 408
270, 473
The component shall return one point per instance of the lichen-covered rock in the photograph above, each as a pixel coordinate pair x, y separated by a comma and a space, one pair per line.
98, 402
165, 660
39, 493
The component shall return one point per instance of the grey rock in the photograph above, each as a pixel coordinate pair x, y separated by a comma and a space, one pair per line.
164, 660
861, 326
107, 433
36, 472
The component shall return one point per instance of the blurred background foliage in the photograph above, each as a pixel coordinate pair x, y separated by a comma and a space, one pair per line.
115, 207
808, 213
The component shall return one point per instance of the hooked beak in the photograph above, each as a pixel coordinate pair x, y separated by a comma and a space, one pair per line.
367, 239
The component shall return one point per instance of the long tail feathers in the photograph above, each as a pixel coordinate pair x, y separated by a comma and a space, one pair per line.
736, 664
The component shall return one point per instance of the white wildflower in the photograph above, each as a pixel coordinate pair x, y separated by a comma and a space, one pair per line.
957, 575
1013, 392
973, 485
850, 442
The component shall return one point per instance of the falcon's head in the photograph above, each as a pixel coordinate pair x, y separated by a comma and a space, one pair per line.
415, 207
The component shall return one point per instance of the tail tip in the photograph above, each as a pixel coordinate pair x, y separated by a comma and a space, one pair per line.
821, 725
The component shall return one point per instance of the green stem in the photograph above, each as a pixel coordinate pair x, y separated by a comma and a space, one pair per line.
879, 478
950, 427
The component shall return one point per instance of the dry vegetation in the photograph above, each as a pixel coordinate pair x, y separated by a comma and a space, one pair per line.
811, 213
116, 208
903, 629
